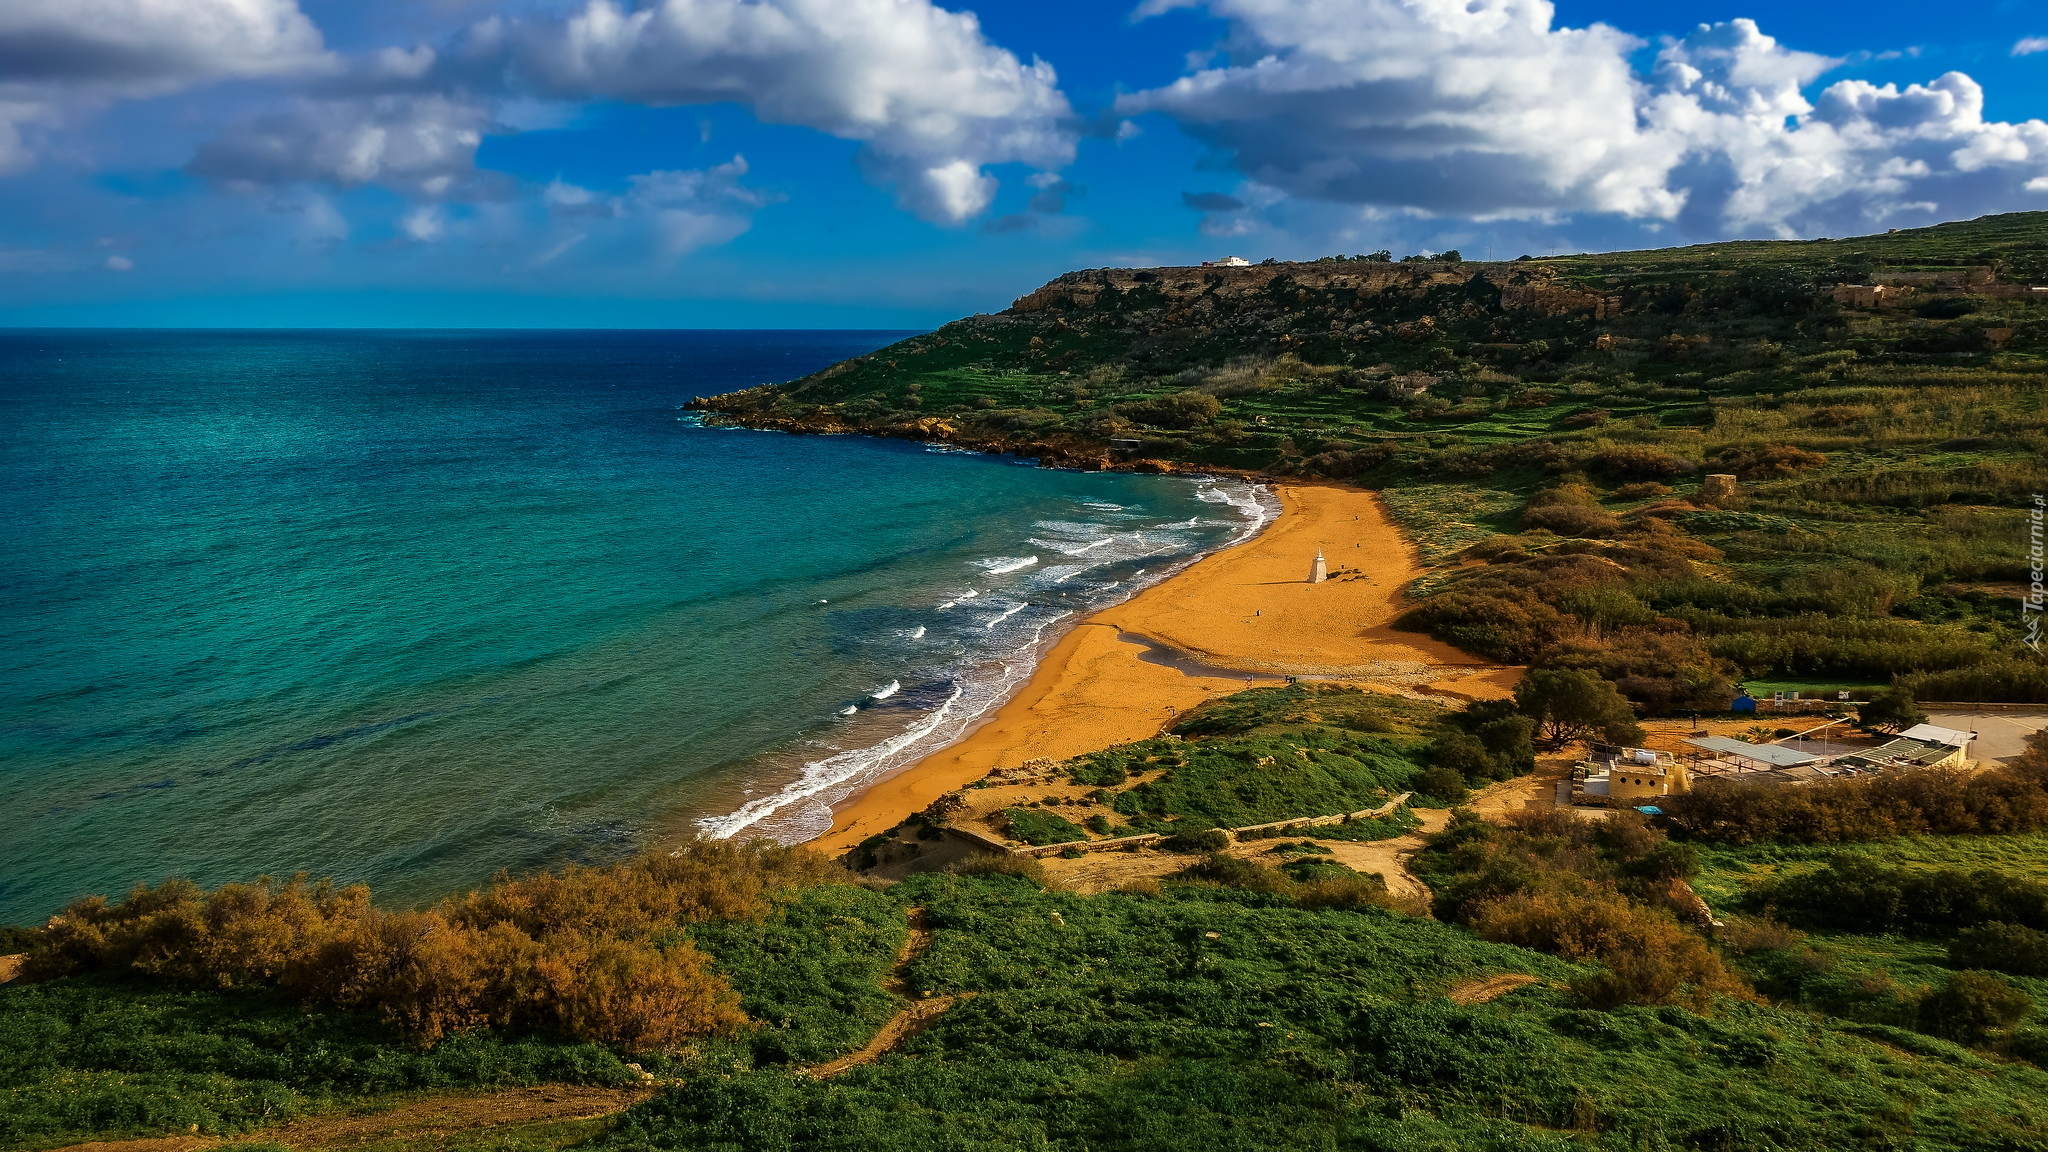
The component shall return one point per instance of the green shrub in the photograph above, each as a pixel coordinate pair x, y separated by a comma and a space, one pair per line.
1197, 840
1098, 771
2002, 948
1234, 872
1036, 827
1858, 893
1442, 784
1971, 1006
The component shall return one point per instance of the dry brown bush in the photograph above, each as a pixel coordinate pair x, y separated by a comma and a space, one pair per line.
1650, 958
990, 863
1758, 934
587, 952
1571, 520
1768, 463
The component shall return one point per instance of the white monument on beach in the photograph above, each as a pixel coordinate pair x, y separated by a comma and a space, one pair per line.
1318, 572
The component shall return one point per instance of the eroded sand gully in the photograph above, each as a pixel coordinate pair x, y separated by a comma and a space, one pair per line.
1249, 609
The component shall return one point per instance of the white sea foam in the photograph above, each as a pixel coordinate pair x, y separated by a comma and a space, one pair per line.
1069, 548
821, 782
917, 633
1078, 529
1254, 503
838, 769
849, 710
886, 690
801, 810
1102, 504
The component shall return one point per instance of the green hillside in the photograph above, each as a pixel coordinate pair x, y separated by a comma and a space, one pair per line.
1546, 426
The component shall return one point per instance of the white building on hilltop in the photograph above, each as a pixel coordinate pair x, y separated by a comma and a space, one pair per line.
1228, 262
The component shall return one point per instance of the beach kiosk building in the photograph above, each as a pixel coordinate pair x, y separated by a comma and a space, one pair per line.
1728, 758
1921, 746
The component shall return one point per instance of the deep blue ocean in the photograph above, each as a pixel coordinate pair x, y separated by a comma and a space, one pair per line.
408, 607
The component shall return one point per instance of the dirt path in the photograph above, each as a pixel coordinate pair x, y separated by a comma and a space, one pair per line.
1537, 790
900, 1027
414, 1120
905, 1024
1480, 989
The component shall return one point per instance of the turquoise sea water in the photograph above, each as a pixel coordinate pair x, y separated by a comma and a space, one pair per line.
408, 607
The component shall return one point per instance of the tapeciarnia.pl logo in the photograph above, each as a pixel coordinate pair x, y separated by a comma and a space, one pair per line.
2037, 553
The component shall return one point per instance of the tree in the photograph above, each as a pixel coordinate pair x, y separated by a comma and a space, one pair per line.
1566, 704
1890, 710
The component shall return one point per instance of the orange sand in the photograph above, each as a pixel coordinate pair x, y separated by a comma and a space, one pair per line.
1249, 607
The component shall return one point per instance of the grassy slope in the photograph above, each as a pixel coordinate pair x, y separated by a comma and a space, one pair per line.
1199, 1016
1867, 976
1120, 1022
1895, 556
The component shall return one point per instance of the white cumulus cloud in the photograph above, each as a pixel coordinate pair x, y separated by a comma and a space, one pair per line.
671, 212
59, 58
1468, 108
933, 100
1483, 108
695, 208
139, 46
423, 144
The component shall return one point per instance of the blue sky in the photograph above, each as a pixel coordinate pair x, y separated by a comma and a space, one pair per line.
887, 163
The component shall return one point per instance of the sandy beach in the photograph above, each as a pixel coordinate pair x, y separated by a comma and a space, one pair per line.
1249, 609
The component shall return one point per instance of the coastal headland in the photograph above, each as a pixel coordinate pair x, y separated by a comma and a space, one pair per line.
1247, 611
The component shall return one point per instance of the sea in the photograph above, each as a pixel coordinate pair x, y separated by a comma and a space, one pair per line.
410, 607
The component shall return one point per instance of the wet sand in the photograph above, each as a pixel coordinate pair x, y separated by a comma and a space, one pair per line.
1249, 609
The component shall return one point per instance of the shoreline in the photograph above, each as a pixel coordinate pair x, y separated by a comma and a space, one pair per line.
1244, 610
